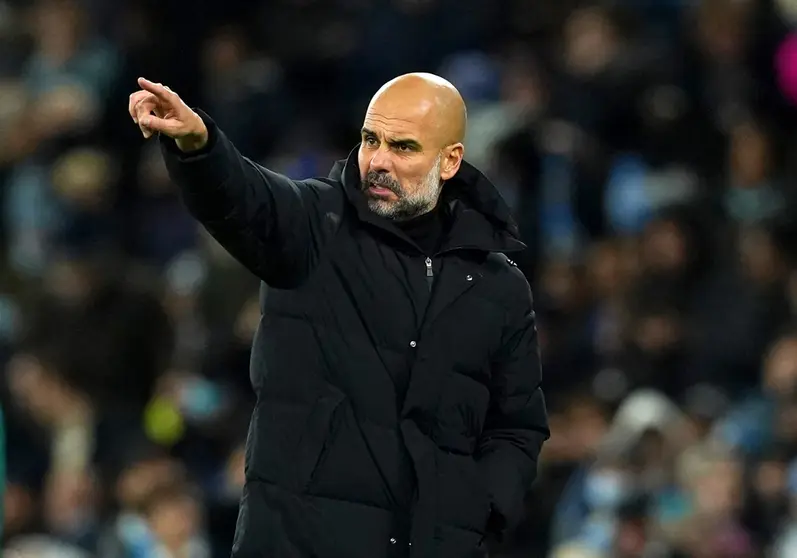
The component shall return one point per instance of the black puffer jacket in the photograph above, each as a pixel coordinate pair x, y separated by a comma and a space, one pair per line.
341, 463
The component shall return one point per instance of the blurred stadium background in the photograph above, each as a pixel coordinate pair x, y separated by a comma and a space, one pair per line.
647, 147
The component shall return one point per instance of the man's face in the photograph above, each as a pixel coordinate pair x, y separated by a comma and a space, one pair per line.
406, 153
400, 177
411, 144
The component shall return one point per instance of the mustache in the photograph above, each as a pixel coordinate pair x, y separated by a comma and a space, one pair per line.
383, 181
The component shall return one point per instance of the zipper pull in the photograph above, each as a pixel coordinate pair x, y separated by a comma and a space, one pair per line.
429, 272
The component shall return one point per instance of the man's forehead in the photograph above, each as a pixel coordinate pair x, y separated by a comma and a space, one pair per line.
423, 104
415, 122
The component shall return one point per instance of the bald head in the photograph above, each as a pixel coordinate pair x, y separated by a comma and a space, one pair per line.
430, 99
411, 144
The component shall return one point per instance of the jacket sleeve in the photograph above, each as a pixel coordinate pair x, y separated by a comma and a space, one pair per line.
276, 227
516, 424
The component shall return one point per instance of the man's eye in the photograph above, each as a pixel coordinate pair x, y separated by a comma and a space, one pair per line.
371, 141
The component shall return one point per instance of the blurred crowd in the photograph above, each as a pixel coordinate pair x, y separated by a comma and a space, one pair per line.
646, 147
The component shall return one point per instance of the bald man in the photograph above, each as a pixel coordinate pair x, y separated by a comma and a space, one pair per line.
399, 404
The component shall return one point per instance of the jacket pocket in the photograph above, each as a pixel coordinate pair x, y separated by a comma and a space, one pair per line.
460, 414
317, 437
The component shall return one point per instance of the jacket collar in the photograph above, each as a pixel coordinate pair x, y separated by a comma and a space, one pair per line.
480, 218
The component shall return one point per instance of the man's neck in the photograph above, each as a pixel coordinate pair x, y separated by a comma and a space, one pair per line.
426, 230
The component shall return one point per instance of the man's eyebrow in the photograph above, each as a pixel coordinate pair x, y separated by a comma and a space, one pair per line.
407, 142
411, 143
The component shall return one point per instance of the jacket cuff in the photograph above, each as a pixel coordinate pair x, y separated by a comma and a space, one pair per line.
496, 526
207, 166
506, 488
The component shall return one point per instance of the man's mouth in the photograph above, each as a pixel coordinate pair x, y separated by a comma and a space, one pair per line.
377, 190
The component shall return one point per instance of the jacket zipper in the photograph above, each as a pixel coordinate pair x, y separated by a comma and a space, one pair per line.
429, 273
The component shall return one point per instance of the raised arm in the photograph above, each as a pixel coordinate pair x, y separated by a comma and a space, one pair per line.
275, 226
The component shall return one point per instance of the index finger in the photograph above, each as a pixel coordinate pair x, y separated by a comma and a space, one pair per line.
160, 91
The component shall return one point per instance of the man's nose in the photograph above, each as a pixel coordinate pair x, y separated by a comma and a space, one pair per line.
380, 161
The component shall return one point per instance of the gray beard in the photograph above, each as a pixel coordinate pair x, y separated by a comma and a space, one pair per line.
407, 207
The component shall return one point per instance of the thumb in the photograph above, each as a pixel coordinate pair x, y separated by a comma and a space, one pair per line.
168, 126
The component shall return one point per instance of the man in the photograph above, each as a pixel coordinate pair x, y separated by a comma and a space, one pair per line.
396, 364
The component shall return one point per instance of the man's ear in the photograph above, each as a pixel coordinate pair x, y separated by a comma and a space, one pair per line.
452, 159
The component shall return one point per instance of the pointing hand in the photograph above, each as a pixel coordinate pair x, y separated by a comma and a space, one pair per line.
156, 108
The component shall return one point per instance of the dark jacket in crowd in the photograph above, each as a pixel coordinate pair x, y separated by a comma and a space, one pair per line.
399, 409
